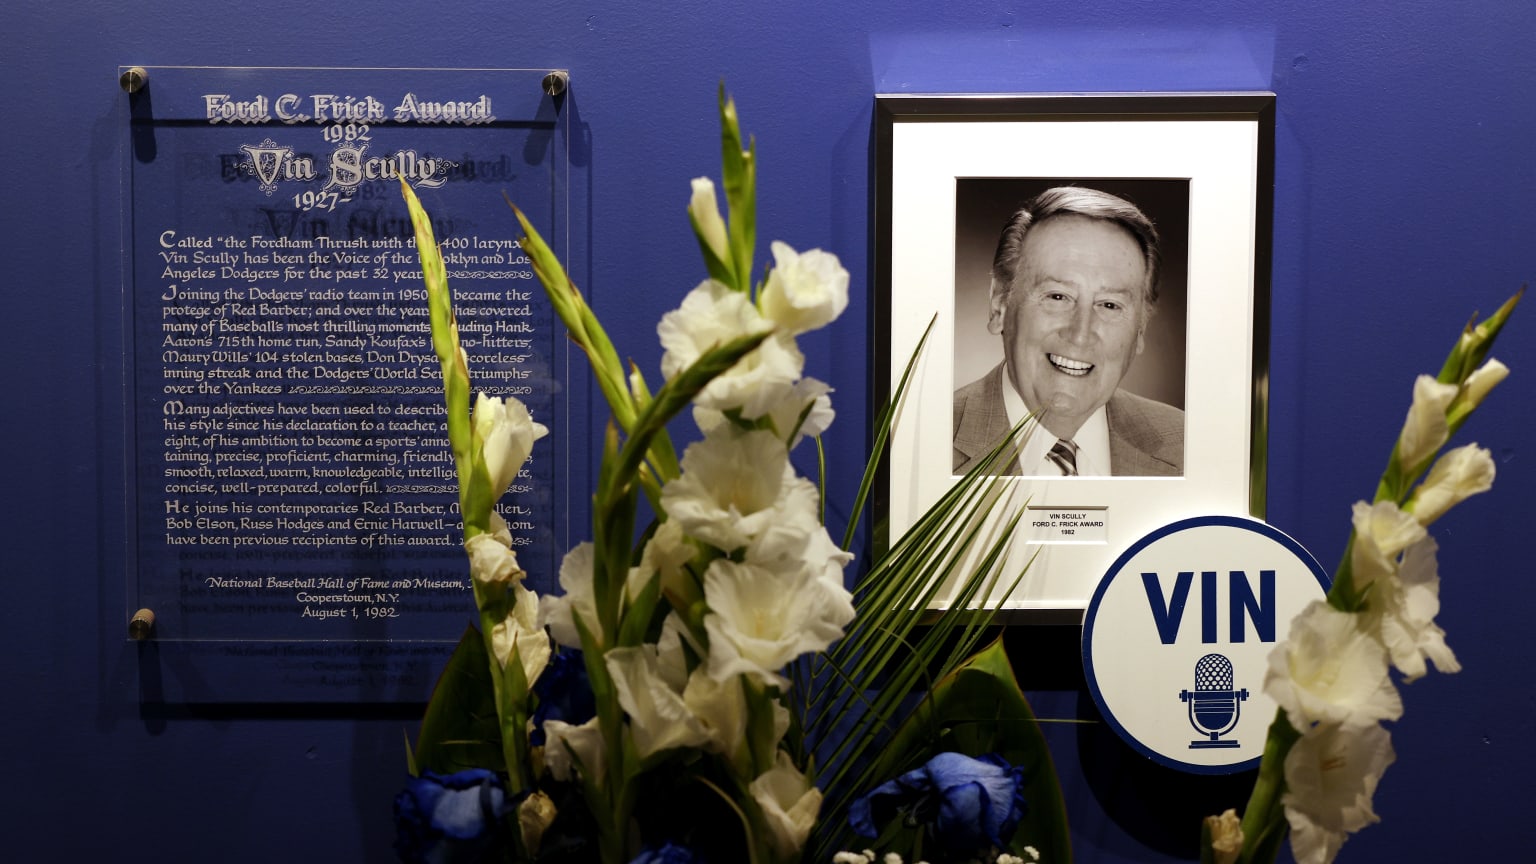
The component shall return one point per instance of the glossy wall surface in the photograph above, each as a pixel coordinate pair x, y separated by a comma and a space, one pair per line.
1404, 176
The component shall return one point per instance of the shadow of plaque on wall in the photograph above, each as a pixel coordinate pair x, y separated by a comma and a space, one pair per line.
291, 529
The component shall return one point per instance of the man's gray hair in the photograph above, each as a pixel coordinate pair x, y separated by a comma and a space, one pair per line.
1079, 201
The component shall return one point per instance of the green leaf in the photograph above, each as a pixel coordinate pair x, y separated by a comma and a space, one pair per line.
883, 426
473, 491
638, 618
979, 709
678, 393
460, 729
863, 687
580, 323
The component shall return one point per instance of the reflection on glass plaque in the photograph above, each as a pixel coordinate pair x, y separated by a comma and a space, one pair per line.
290, 479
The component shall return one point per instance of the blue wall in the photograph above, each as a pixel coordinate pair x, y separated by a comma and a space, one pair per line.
1405, 176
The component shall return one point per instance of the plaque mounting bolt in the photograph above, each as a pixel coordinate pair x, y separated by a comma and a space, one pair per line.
556, 82
142, 625
133, 79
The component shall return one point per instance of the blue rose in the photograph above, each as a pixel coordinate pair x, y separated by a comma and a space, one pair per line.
966, 803
564, 694
442, 819
667, 853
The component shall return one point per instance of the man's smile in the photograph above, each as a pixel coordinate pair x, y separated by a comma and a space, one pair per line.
1068, 366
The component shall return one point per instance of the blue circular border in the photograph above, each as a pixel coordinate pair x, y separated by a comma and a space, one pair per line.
1254, 525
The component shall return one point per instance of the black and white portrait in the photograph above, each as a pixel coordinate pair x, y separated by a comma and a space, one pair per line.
1094, 271
1070, 306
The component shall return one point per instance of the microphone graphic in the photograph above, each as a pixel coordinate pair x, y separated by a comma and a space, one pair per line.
1214, 707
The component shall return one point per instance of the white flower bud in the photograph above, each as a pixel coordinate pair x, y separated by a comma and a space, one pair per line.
491, 562
1457, 475
1425, 429
1483, 380
706, 219
506, 432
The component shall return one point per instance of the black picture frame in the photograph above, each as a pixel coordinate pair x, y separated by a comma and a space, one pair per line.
1201, 165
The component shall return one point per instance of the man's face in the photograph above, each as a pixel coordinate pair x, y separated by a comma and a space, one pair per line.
1074, 318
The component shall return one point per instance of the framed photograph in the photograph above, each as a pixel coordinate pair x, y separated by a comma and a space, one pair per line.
1100, 264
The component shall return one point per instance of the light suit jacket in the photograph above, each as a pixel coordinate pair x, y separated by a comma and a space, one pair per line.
1146, 437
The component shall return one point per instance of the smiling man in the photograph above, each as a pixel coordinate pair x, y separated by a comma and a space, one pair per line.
1074, 282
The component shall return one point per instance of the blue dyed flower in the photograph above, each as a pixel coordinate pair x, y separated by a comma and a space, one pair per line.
667, 853
564, 694
455, 818
966, 803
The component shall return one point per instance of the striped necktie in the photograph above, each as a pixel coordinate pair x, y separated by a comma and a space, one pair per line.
1064, 456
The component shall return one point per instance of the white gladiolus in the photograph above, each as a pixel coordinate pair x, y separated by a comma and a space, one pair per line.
637, 581
721, 707
705, 212
761, 618
1481, 381
500, 530
1226, 836
491, 562
1425, 429
667, 553
1331, 671
534, 816
1456, 476
506, 432
733, 486
808, 393
789, 803
521, 631
658, 718
1382, 532
671, 661
797, 540
711, 315
558, 611
1331, 775
586, 741
804, 291
1403, 611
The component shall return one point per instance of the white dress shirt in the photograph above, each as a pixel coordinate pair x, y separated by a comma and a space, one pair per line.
1092, 441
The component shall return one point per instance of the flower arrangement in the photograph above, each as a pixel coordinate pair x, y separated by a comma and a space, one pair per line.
706, 688
1331, 677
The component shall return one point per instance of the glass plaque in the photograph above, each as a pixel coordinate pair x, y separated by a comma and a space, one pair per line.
291, 495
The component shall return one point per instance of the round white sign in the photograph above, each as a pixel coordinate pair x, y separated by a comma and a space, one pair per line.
1178, 634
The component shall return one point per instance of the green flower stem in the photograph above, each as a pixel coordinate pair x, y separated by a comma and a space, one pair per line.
584, 329
761, 742
1264, 824
475, 494
476, 498
1466, 356
1476, 341
1342, 595
607, 799
509, 689
611, 534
